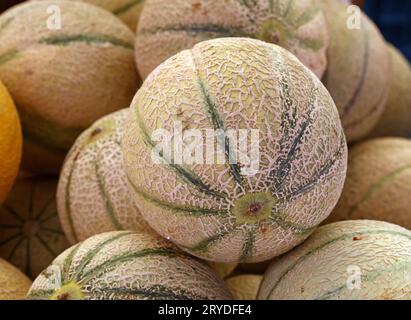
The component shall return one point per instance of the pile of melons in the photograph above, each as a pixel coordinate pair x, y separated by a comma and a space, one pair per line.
92, 208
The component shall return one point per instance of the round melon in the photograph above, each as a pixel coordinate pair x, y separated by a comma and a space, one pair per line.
350, 260
167, 27
223, 269
126, 10
378, 184
240, 206
125, 265
10, 143
63, 77
358, 73
396, 120
30, 232
245, 286
14, 285
92, 195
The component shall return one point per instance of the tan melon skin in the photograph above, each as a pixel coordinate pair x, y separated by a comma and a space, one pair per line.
179, 273
14, 285
30, 232
92, 195
359, 86
256, 66
378, 184
375, 255
396, 120
245, 286
68, 86
129, 14
164, 28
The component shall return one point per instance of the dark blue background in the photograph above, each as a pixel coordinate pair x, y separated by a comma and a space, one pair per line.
393, 17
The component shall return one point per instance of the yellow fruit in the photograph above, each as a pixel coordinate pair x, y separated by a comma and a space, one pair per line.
245, 286
30, 232
124, 265
10, 143
378, 184
92, 195
396, 120
350, 260
223, 269
63, 77
14, 285
358, 73
235, 211
167, 27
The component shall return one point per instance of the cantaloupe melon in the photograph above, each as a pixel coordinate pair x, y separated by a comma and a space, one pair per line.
30, 232
167, 27
93, 195
245, 286
14, 285
221, 210
396, 120
350, 260
378, 184
125, 265
358, 72
62, 80
127, 10
10, 143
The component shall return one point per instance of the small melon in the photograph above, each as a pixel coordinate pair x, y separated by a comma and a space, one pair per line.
125, 265
378, 184
269, 199
63, 77
396, 120
245, 286
350, 260
14, 285
30, 232
92, 195
167, 27
358, 73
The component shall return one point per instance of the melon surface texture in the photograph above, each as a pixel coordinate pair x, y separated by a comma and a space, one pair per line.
358, 72
396, 120
30, 232
93, 195
124, 265
14, 285
10, 142
378, 184
63, 77
167, 27
220, 211
350, 260
245, 286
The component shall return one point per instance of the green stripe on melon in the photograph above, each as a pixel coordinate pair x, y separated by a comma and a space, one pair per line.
320, 268
233, 84
93, 195
378, 183
166, 28
124, 265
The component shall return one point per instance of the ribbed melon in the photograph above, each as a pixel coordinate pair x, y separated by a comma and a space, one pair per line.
124, 265
92, 194
30, 232
62, 80
245, 286
396, 120
127, 10
167, 27
350, 260
378, 184
358, 73
14, 285
218, 211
